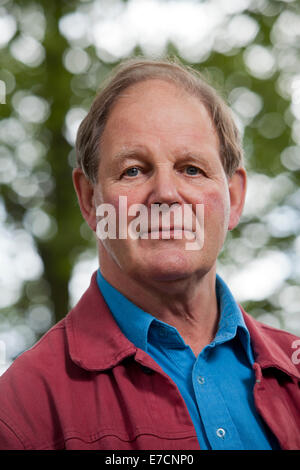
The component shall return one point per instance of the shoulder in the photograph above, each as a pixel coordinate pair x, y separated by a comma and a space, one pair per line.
267, 331
27, 390
273, 346
44, 353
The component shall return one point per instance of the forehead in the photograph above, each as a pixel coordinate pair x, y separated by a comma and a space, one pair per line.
157, 111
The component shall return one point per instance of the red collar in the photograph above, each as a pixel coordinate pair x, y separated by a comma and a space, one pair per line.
272, 347
97, 343
95, 340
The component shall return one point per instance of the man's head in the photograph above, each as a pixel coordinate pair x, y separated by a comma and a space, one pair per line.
133, 71
164, 138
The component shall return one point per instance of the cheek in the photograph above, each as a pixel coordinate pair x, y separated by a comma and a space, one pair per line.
113, 194
216, 209
121, 201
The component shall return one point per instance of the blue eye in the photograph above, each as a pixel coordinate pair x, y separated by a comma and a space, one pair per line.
133, 171
192, 170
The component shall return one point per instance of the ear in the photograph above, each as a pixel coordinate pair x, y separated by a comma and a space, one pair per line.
85, 194
237, 191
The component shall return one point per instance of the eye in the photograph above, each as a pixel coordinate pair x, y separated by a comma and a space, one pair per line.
192, 170
131, 172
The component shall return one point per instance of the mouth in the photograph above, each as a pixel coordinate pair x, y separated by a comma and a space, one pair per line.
167, 233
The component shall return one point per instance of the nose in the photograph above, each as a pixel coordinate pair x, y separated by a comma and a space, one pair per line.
164, 189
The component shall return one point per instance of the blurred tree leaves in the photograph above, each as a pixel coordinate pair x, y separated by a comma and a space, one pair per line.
51, 79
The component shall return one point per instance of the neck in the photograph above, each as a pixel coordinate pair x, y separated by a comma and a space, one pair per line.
189, 304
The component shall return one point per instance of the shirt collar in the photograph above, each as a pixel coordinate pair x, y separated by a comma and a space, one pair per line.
136, 324
95, 341
231, 322
132, 320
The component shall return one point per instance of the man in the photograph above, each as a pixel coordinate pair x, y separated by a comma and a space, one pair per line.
156, 354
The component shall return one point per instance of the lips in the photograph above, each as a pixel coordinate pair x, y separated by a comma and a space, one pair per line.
182, 224
167, 232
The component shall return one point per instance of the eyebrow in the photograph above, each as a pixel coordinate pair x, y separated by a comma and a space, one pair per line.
129, 152
180, 154
197, 156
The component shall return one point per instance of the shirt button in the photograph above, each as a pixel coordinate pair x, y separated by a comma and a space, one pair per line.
221, 433
200, 380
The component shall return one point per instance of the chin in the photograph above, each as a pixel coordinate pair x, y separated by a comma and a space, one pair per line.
168, 265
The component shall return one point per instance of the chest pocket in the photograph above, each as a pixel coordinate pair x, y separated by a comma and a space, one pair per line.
131, 407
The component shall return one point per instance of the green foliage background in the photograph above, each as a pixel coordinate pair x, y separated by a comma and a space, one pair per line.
50, 80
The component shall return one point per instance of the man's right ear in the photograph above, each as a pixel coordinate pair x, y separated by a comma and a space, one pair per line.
85, 193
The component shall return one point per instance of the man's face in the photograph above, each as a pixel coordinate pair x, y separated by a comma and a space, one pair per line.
160, 146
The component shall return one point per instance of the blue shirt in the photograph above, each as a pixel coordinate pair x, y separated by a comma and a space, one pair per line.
217, 386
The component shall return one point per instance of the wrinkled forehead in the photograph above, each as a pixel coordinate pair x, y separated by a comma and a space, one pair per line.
151, 87
158, 107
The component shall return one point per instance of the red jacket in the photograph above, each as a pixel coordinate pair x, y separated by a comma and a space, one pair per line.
85, 386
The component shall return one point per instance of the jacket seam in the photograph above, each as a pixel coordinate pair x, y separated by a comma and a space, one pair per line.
131, 437
27, 445
8, 424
